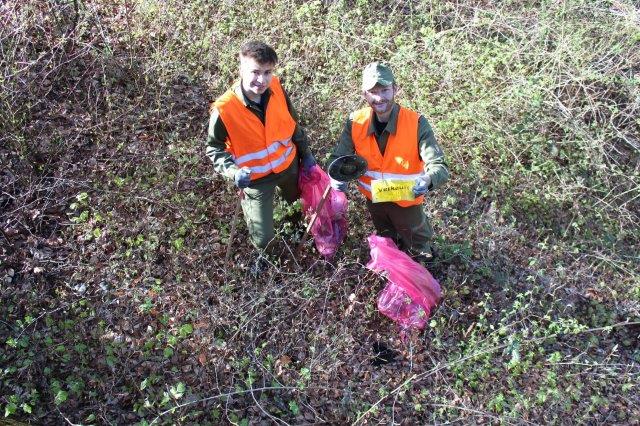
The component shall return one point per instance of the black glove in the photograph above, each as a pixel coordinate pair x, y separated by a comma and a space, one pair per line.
308, 162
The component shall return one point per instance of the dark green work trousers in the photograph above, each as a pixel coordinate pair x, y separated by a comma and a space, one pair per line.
409, 227
257, 203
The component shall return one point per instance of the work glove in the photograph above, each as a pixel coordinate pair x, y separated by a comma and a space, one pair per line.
308, 162
421, 186
339, 185
242, 178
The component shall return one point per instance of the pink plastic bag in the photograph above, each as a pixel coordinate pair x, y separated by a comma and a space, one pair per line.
411, 292
331, 224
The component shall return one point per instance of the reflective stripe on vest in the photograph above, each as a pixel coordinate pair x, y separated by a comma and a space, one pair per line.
264, 148
405, 176
240, 161
273, 164
401, 158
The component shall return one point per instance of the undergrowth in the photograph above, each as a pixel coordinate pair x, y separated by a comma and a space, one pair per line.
117, 306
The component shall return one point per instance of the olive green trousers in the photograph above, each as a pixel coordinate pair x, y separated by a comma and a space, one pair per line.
258, 202
408, 227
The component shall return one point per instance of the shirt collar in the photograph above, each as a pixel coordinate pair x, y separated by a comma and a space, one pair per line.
237, 89
392, 124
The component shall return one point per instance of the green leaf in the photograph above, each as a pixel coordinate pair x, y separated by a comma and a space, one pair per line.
178, 390
118, 181
26, 408
168, 352
61, 397
186, 330
9, 409
555, 357
305, 373
178, 243
165, 399
293, 406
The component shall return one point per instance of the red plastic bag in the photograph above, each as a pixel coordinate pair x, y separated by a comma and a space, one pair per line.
331, 225
411, 292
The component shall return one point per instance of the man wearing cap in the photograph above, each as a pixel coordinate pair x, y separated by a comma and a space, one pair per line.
254, 140
397, 143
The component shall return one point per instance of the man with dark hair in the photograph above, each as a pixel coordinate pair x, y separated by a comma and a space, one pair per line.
399, 145
254, 139
261, 52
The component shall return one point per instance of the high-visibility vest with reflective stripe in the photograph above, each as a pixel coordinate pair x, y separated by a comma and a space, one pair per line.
264, 148
401, 158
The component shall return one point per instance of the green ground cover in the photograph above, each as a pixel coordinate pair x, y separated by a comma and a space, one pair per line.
115, 303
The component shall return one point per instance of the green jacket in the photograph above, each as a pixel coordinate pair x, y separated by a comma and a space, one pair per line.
434, 164
217, 135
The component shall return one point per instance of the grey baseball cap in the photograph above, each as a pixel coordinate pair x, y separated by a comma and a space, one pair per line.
376, 73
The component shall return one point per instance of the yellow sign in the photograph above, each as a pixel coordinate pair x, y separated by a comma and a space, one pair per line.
392, 190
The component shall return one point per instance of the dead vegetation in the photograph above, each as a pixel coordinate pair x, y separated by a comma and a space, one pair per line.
116, 306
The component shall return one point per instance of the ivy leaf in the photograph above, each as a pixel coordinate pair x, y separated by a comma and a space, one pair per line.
177, 391
186, 330
61, 397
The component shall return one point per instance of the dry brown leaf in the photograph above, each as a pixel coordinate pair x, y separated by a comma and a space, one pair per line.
281, 364
202, 358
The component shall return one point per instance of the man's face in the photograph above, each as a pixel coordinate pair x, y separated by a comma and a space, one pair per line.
255, 76
381, 98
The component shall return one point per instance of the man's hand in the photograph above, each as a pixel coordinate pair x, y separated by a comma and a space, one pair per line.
308, 162
242, 178
339, 185
421, 186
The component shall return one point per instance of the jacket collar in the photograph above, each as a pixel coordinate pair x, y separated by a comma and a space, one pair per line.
392, 124
237, 89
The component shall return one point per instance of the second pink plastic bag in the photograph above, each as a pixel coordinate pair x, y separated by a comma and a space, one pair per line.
331, 225
411, 292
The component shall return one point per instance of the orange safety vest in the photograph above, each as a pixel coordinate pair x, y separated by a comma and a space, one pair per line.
401, 158
264, 148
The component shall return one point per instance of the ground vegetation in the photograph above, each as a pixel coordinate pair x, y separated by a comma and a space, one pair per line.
116, 305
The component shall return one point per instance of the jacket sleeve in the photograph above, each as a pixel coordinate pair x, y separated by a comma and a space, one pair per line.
345, 143
216, 147
299, 137
434, 163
